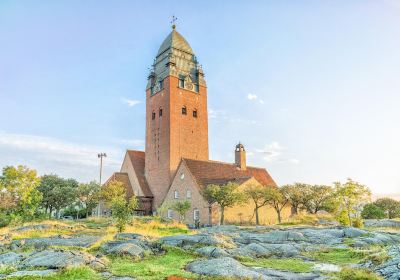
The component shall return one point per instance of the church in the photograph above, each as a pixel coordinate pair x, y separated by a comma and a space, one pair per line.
175, 165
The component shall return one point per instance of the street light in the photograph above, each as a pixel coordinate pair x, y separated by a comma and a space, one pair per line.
100, 156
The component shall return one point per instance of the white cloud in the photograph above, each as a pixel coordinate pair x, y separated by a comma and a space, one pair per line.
217, 114
251, 96
271, 152
130, 102
274, 152
52, 155
261, 101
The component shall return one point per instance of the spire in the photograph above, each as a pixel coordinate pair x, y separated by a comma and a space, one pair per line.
173, 21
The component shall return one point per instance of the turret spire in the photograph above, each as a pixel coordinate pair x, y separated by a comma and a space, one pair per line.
173, 21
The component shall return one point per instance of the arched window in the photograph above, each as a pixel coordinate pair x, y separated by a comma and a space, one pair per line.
184, 110
153, 115
160, 112
195, 113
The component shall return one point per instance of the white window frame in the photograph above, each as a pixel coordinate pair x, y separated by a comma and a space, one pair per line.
194, 214
189, 194
170, 214
176, 194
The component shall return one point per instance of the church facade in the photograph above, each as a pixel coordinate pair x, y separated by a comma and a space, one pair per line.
175, 165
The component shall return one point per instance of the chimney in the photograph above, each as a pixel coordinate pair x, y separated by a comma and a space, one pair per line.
240, 156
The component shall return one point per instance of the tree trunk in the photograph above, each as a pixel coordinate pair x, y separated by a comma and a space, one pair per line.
294, 210
209, 215
87, 212
349, 215
221, 222
279, 215
257, 219
50, 211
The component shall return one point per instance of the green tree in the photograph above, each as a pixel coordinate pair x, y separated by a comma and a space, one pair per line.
19, 186
371, 211
257, 194
390, 207
277, 199
316, 197
351, 196
88, 195
224, 195
182, 207
114, 196
58, 193
296, 194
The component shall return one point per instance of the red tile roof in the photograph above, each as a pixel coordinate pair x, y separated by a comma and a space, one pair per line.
138, 159
215, 172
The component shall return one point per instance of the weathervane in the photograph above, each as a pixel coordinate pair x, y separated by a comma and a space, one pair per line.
173, 21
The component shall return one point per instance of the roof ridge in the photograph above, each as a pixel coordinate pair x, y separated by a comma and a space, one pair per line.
222, 162
129, 150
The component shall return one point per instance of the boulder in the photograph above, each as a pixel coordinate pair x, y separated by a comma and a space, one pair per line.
276, 236
44, 242
381, 223
198, 239
391, 269
351, 232
56, 259
11, 258
266, 250
223, 267
129, 249
212, 252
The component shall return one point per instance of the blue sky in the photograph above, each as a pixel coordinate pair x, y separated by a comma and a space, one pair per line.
311, 88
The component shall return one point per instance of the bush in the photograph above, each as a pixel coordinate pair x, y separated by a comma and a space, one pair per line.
372, 211
343, 218
357, 274
358, 223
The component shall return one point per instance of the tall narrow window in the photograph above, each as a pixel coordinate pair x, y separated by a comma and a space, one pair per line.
196, 88
160, 112
176, 194
184, 110
161, 84
169, 214
153, 115
181, 83
195, 113
188, 194
196, 214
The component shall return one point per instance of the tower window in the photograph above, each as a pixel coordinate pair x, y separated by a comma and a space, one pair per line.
196, 88
181, 83
195, 113
160, 112
161, 84
184, 110
153, 115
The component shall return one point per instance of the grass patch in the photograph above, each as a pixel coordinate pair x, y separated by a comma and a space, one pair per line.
81, 273
5, 269
338, 256
154, 267
357, 274
290, 264
307, 219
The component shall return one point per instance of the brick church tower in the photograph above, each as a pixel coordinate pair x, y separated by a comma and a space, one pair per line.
176, 113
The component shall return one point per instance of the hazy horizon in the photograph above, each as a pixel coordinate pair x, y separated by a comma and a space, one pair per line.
311, 88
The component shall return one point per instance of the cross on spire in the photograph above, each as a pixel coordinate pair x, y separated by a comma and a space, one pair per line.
173, 21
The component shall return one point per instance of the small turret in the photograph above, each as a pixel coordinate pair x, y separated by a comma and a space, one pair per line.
240, 156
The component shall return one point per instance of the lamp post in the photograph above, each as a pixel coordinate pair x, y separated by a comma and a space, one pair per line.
100, 156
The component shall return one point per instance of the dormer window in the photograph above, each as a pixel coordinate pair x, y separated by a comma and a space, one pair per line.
181, 83
194, 113
184, 110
